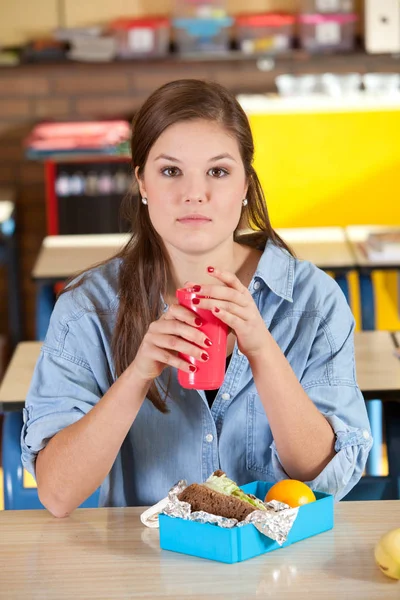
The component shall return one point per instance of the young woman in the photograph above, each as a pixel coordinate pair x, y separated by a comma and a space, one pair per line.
105, 406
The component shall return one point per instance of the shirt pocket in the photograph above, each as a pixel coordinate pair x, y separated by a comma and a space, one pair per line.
259, 438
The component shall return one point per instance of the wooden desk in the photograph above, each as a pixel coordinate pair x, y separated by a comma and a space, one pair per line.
108, 553
63, 255
377, 367
326, 247
16, 381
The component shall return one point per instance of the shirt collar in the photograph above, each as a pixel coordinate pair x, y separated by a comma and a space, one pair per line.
276, 269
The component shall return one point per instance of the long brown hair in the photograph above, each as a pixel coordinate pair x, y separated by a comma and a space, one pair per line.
144, 270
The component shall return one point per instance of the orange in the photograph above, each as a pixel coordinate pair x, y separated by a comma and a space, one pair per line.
292, 492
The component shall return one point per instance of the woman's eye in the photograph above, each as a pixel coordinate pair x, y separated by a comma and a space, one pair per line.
170, 171
218, 172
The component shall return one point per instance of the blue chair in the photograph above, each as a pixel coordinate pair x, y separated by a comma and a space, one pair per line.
16, 496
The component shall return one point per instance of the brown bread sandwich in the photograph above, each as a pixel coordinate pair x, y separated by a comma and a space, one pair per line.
220, 496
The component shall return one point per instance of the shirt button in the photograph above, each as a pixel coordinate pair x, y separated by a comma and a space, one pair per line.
226, 396
366, 434
257, 285
209, 438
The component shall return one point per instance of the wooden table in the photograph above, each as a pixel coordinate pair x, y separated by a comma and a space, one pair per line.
16, 381
108, 553
9, 257
61, 257
326, 247
357, 236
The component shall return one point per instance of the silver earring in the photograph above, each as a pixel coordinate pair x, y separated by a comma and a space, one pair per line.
144, 200
245, 202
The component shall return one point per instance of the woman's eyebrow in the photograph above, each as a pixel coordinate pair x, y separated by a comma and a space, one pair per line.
220, 156
166, 157
171, 158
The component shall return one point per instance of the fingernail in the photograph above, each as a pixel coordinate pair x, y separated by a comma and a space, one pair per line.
196, 301
216, 310
210, 269
198, 322
205, 356
196, 288
192, 369
208, 342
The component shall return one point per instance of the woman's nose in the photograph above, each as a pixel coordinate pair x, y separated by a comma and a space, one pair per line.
196, 189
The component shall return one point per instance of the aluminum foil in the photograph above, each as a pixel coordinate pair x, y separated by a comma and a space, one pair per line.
275, 522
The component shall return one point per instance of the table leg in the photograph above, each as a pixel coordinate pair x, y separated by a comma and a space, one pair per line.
367, 301
341, 280
16, 497
392, 427
14, 297
45, 300
374, 407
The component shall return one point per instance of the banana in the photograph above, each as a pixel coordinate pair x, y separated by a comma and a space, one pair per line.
387, 554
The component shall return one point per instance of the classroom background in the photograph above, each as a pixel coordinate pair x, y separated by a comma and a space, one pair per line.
320, 82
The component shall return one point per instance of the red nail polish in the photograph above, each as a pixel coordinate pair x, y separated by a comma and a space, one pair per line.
196, 301
198, 322
205, 356
196, 288
216, 310
192, 368
210, 269
208, 342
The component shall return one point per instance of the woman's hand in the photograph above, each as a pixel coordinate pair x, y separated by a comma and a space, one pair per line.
233, 304
177, 330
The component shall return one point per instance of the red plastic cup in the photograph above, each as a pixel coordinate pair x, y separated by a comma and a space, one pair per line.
209, 375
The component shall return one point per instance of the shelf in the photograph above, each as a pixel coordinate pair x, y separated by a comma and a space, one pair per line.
296, 62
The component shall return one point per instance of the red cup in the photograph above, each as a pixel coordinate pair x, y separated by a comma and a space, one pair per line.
209, 375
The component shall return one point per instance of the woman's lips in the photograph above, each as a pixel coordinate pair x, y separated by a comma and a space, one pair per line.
194, 220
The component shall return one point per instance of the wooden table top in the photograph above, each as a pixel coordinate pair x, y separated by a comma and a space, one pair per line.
16, 381
108, 553
378, 369
61, 256
358, 235
326, 247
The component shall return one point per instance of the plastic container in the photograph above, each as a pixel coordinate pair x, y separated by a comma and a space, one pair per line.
141, 37
209, 375
326, 6
327, 33
199, 36
382, 84
265, 33
240, 543
200, 9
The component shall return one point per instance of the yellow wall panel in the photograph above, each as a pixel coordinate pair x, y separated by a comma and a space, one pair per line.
334, 169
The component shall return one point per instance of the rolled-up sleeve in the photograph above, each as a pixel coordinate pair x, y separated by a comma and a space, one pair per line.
63, 387
329, 380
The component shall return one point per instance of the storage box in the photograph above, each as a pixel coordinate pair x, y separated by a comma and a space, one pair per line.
326, 6
199, 36
322, 33
141, 37
200, 9
240, 543
268, 33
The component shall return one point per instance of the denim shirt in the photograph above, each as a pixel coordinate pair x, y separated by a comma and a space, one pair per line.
308, 316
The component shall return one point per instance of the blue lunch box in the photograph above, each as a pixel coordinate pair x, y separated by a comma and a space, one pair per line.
240, 543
